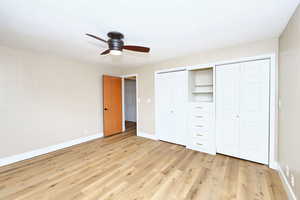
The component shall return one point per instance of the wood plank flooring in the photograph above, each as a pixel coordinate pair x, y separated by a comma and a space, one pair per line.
128, 167
129, 125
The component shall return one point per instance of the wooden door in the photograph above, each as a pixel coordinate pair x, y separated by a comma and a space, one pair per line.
254, 111
227, 109
112, 105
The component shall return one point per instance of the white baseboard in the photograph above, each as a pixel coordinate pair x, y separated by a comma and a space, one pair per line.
37, 152
147, 135
273, 165
286, 184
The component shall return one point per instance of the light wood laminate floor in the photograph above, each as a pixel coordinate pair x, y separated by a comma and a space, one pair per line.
129, 167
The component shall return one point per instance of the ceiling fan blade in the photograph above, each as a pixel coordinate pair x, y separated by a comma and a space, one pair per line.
96, 37
105, 52
136, 48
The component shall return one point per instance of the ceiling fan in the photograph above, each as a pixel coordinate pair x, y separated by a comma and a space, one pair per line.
116, 44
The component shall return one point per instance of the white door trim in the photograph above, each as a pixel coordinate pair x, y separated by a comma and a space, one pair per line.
273, 152
137, 101
170, 70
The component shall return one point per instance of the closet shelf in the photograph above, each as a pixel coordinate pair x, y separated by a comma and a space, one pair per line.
206, 101
203, 85
202, 92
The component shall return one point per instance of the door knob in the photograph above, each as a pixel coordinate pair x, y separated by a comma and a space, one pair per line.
105, 109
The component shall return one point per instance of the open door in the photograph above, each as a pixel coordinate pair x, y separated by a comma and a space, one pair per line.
112, 105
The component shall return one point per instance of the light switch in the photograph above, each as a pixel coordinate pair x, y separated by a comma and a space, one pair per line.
148, 100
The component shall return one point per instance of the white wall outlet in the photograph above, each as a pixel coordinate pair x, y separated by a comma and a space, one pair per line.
287, 170
292, 180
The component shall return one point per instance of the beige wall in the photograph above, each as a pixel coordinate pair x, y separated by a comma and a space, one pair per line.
46, 100
289, 95
146, 73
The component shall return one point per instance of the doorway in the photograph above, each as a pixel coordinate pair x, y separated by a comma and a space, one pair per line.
112, 105
130, 101
120, 104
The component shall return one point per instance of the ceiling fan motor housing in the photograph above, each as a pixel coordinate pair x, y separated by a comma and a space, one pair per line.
115, 42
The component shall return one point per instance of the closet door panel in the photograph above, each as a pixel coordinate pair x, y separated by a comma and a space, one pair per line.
171, 108
227, 133
163, 102
179, 106
254, 111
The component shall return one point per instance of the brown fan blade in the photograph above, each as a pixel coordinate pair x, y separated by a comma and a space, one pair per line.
136, 48
105, 52
96, 37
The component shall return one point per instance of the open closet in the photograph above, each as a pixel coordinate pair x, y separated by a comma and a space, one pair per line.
216, 108
201, 109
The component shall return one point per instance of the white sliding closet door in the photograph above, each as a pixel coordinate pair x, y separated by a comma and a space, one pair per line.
179, 103
254, 111
163, 106
171, 99
227, 127
242, 110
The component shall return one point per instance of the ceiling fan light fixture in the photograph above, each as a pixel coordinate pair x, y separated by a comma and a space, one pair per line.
116, 44
115, 52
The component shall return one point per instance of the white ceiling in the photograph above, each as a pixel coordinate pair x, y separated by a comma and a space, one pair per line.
170, 27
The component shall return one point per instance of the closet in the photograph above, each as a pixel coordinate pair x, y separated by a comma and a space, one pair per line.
242, 110
216, 108
201, 109
171, 103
